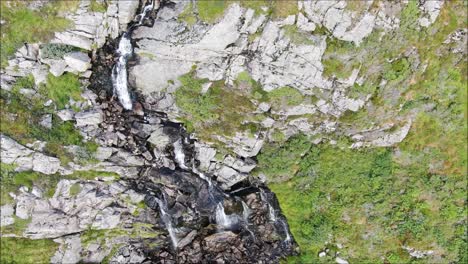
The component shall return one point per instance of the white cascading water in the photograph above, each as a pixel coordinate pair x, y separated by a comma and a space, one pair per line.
222, 218
119, 71
145, 11
179, 154
285, 227
245, 211
168, 223
271, 210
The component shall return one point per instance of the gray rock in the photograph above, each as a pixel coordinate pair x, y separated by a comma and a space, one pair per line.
66, 114
159, 139
78, 61
228, 177
187, 239
204, 154
69, 250
46, 121
45, 164
6, 216
89, 118
126, 13
103, 153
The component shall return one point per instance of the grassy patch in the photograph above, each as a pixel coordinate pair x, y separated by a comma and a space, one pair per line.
296, 36
96, 6
25, 25
372, 204
285, 96
75, 189
17, 228
188, 15
220, 111
211, 11
61, 89
280, 161
55, 50
22, 250
282, 9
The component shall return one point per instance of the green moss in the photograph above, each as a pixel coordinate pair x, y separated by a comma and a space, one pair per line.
25, 25
210, 11
75, 189
17, 228
188, 15
285, 96
22, 250
282, 9
96, 6
257, 5
281, 161
397, 70
61, 89
220, 111
55, 50
296, 36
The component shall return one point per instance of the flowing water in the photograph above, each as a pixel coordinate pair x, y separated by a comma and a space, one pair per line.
222, 218
119, 71
167, 222
179, 154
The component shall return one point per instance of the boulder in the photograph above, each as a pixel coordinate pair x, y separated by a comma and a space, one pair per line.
78, 61
159, 139
89, 118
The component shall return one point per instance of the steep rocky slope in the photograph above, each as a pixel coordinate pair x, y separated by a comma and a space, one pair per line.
353, 113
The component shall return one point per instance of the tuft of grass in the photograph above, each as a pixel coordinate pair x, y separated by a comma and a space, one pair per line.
22, 250
17, 228
220, 111
188, 15
25, 25
75, 189
282, 9
61, 89
296, 36
98, 6
211, 11
284, 97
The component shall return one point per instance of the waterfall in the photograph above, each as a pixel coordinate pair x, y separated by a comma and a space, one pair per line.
179, 154
271, 210
222, 218
286, 231
245, 211
145, 12
167, 222
273, 218
119, 71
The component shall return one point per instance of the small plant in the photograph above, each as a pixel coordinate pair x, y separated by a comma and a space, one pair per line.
55, 50
284, 97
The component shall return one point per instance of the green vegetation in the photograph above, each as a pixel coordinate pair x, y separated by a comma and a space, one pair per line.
210, 11
285, 96
221, 110
280, 161
17, 228
11, 181
75, 189
22, 250
55, 50
21, 115
188, 15
375, 200
25, 25
372, 203
61, 89
296, 36
98, 6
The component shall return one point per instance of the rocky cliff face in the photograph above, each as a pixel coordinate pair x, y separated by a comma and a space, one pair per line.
173, 180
